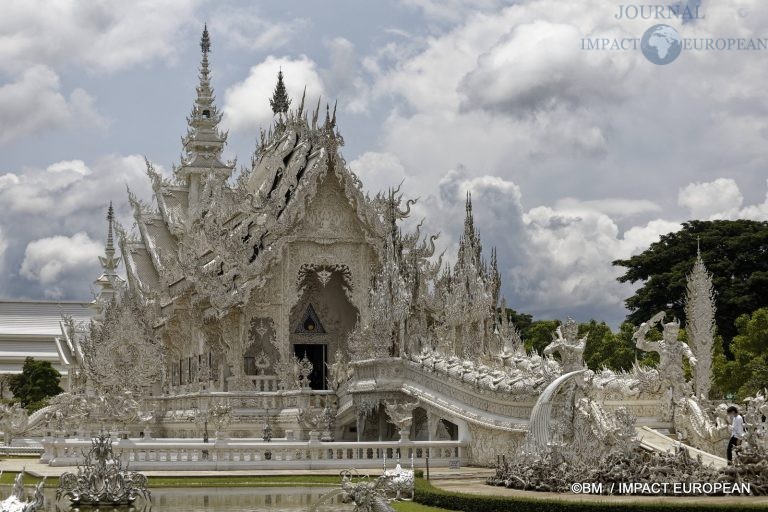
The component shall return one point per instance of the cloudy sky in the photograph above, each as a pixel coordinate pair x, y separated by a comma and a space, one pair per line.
574, 157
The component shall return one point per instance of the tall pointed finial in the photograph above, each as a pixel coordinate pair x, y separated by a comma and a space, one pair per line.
315, 114
108, 282
301, 105
698, 247
280, 101
110, 222
205, 40
203, 138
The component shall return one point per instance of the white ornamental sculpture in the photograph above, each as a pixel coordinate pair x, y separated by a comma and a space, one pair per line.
123, 352
671, 352
17, 502
567, 343
700, 324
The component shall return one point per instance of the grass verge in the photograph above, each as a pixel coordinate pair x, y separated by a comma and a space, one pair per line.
427, 494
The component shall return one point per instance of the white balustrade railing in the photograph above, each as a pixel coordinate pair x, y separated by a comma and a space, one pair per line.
273, 400
227, 454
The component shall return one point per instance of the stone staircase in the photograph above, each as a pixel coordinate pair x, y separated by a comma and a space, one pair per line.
651, 439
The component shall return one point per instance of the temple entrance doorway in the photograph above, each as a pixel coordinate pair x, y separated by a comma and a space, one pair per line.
317, 353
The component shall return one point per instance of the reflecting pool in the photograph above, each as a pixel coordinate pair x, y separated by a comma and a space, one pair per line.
213, 499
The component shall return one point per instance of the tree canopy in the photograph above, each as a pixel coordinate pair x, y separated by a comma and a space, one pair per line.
735, 252
604, 348
37, 381
747, 373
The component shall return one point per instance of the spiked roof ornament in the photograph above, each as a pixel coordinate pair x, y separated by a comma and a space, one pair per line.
280, 101
109, 281
205, 40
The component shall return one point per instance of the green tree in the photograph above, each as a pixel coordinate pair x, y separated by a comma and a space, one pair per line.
521, 320
37, 381
539, 334
606, 349
747, 373
735, 252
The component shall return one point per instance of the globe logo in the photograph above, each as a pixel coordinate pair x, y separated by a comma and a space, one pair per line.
661, 44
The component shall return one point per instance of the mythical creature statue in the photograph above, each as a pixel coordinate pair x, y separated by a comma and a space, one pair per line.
13, 420
607, 384
372, 495
323, 422
339, 371
401, 414
17, 501
756, 416
696, 428
567, 343
671, 351
101, 480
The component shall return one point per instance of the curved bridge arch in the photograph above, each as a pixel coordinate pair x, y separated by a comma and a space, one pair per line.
541, 415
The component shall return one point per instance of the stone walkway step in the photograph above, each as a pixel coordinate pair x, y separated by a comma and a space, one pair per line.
652, 440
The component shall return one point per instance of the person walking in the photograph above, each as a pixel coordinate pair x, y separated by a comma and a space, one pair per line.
738, 432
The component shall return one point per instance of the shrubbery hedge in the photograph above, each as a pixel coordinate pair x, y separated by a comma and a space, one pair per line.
427, 494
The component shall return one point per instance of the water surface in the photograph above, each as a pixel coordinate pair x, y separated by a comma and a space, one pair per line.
213, 499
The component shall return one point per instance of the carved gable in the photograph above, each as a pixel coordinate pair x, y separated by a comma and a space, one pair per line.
329, 215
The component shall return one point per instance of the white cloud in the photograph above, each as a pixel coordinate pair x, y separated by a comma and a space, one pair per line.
246, 103
343, 79
554, 260
707, 199
509, 94
69, 187
757, 211
378, 171
720, 199
35, 104
515, 75
617, 208
3, 247
244, 28
451, 10
56, 206
53, 261
104, 36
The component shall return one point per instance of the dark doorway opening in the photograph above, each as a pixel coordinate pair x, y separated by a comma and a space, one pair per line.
317, 353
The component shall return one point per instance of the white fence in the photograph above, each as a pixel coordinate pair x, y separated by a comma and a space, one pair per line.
178, 454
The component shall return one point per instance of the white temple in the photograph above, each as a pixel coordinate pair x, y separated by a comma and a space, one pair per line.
286, 303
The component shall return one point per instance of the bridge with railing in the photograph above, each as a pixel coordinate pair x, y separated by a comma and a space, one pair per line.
227, 454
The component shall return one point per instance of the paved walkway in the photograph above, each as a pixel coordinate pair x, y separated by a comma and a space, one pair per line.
478, 486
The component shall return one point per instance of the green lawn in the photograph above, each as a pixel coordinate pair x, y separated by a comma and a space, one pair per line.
8, 477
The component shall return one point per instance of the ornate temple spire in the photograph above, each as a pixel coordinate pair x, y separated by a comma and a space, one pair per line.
469, 244
204, 142
108, 262
108, 282
700, 310
469, 223
205, 41
495, 276
279, 100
